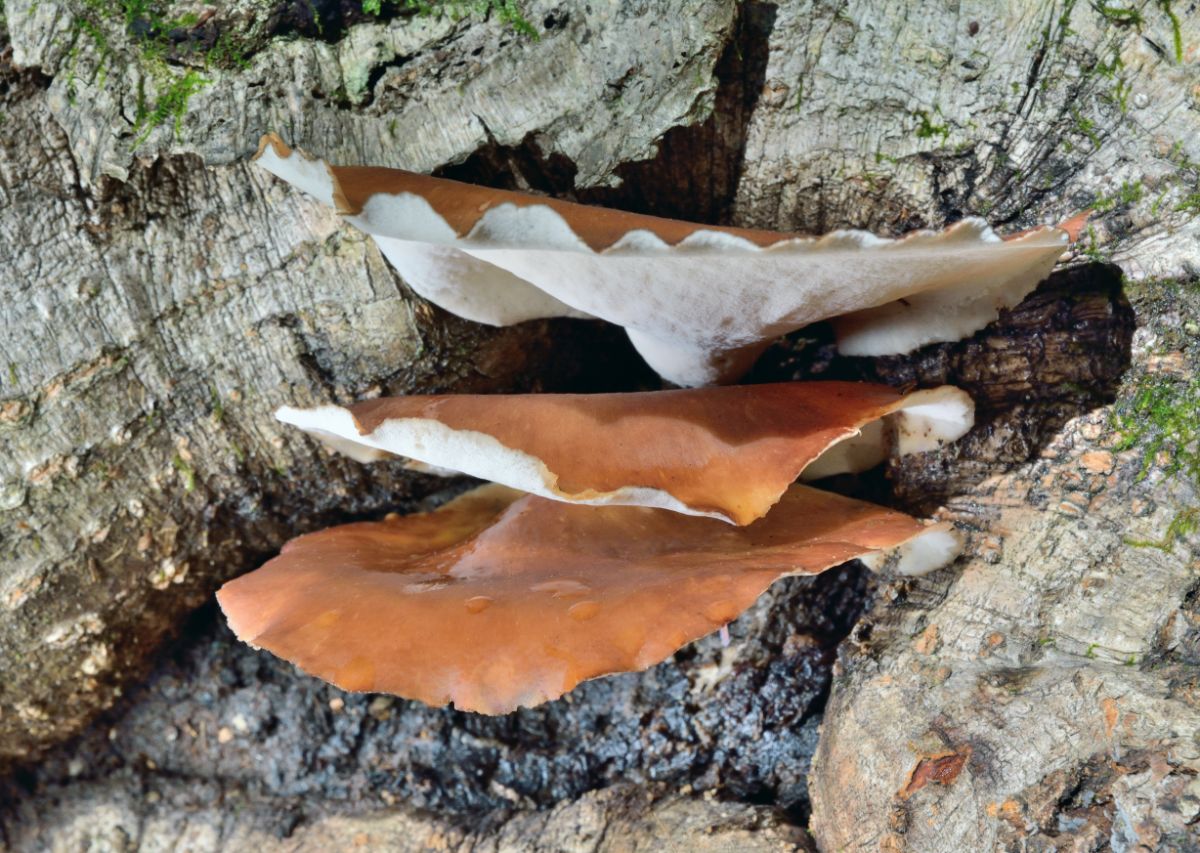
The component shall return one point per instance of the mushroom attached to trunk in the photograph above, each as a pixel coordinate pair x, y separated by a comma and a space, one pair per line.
727, 453
699, 302
496, 600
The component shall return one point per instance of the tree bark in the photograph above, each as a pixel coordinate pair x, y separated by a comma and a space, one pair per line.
161, 298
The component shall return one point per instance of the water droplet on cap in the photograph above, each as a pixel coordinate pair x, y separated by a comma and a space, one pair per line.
478, 604
584, 610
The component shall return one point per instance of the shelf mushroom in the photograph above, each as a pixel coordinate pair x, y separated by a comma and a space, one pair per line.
727, 452
699, 302
497, 600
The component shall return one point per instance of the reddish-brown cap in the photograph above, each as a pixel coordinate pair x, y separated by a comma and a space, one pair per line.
462, 206
496, 601
725, 452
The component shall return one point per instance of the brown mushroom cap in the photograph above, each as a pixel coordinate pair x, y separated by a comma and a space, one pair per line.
496, 601
464, 205
725, 452
700, 302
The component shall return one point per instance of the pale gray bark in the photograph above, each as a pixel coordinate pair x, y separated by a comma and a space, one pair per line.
1040, 689
1048, 681
1045, 681
896, 116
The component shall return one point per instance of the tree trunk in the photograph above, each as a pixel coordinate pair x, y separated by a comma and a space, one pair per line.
161, 298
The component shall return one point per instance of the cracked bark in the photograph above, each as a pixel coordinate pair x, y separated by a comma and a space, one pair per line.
142, 468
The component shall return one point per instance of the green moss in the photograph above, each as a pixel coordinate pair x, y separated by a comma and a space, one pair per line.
1162, 415
927, 129
147, 26
1180, 158
1091, 249
186, 471
1185, 523
1176, 32
218, 408
84, 29
1131, 193
1190, 204
1086, 126
171, 105
1111, 69
1120, 15
228, 52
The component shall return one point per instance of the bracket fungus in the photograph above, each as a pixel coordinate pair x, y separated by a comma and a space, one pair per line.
727, 453
699, 302
497, 600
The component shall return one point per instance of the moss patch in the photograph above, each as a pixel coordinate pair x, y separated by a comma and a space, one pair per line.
1162, 417
154, 35
1185, 523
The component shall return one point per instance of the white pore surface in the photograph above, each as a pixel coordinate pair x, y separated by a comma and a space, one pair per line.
931, 418
688, 306
952, 312
692, 365
473, 453
937, 546
469, 287
859, 452
925, 421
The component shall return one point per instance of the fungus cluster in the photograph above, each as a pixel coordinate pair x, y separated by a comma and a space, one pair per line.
617, 527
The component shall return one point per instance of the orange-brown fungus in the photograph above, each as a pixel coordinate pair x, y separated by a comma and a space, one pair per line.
496, 601
463, 205
731, 450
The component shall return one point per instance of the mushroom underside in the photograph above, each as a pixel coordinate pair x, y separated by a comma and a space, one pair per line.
699, 302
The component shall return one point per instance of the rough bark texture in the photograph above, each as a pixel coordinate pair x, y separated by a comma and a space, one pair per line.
160, 298
617, 820
1048, 682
